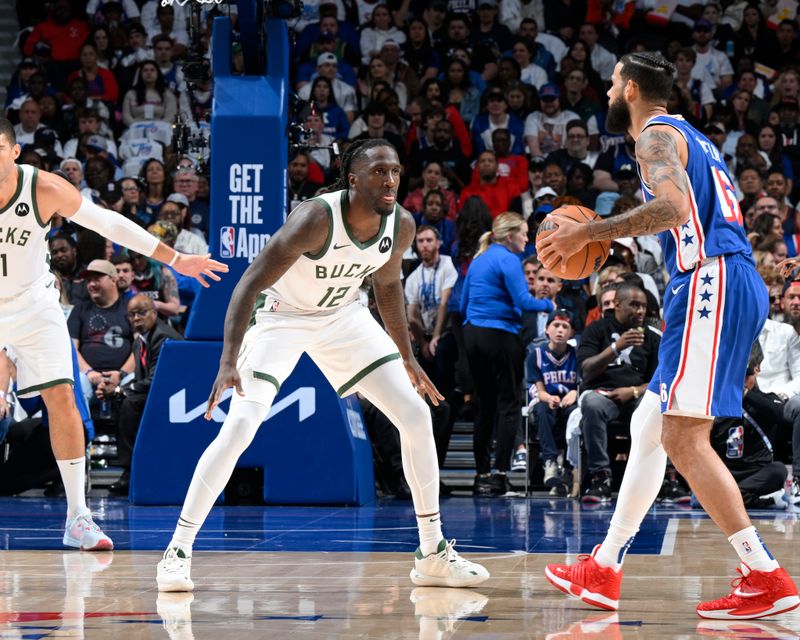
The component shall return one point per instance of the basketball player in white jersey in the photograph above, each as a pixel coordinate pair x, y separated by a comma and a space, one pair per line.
301, 295
31, 320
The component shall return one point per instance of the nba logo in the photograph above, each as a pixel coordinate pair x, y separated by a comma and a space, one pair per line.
227, 242
735, 443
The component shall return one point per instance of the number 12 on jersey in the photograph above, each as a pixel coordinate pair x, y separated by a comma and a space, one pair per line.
332, 296
3, 265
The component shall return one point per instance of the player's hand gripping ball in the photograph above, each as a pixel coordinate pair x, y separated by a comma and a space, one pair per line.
586, 259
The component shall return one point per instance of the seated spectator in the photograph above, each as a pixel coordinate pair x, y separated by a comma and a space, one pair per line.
138, 52
329, 42
576, 150
617, 358
432, 215
107, 55
745, 444
100, 83
100, 330
545, 130
575, 99
447, 152
301, 186
418, 53
552, 379
100, 174
555, 177
375, 75
64, 260
18, 87
78, 98
335, 122
606, 295
122, 263
320, 144
157, 281
29, 123
779, 376
494, 190
374, 119
164, 56
73, 170
169, 27
379, 29
151, 335
156, 188
531, 73
431, 179
150, 99
131, 205
62, 31
459, 90
89, 121
428, 290
497, 117
176, 211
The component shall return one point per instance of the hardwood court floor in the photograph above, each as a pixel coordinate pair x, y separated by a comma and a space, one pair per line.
323, 573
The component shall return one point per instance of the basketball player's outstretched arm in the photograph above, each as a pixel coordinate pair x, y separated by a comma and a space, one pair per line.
660, 152
391, 305
56, 195
305, 231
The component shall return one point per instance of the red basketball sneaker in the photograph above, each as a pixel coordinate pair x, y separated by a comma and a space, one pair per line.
587, 581
756, 594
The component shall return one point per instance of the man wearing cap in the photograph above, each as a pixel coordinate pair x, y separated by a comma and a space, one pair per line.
327, 42
714, 61
29, 123
497, 117
327, 67
552, 378
137, 42
100, 330
89, 122
545, 130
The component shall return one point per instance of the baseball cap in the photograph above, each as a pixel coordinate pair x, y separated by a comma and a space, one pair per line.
543, 192
45, 136
97, 142
27, 63
178, 198
536, 163
714, 127
561, 314
137, 28
703, 25
487, 3
390, 43
626, 172
541, 212
327, 57
550, 90
102, 266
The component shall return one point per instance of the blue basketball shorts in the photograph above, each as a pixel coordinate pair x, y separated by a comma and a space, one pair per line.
712, 316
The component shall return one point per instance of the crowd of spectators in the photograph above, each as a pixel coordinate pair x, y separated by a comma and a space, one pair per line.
498, 107
497, 111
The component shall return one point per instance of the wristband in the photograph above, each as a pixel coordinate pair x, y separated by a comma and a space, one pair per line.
88, 371
614, 349
174, 259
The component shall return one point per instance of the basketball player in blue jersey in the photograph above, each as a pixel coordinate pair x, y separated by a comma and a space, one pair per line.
714, 308
32, 322
299, 295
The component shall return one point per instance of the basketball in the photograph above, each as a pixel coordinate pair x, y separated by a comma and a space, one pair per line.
587, 260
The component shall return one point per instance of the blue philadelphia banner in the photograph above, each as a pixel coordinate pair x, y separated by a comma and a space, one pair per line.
312, 446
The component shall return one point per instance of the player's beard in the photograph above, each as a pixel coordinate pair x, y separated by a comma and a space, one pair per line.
618, 119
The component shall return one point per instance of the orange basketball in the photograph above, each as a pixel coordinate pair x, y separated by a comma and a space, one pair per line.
587, 260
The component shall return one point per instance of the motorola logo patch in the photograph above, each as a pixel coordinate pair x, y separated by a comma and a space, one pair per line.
385, 244
22, 209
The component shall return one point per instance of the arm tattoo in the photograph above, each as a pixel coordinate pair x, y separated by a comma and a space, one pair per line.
658, 156
170, 286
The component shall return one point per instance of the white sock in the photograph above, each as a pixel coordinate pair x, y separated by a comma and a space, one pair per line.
73, 475
215, 467
752, 550
430, 533
644, 475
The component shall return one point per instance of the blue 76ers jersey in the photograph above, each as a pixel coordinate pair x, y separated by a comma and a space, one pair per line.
558, 373
715, 226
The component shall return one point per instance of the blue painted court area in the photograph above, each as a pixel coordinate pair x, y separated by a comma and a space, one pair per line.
503, 525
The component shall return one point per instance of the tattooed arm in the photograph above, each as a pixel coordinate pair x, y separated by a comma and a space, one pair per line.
659, 158
661, 153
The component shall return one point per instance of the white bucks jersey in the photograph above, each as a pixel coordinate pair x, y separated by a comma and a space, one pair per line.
331, 278
24, 253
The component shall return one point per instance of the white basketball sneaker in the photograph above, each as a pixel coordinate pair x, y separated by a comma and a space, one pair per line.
82, 533
173, 571
446, 568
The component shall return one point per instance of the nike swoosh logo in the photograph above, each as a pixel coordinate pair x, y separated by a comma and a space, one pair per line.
340, 246
74, 463
47, 286
675, 290
742, 594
